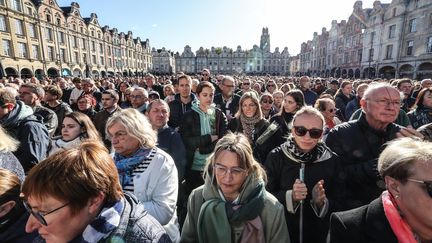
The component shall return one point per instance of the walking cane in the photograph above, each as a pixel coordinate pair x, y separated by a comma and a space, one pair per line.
301, 175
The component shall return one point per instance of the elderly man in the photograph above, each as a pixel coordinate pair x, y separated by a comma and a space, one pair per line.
182, 101
169, 139
18, 120
152, 86
139, 99
425, 83
360, 142
32, 94
227, 101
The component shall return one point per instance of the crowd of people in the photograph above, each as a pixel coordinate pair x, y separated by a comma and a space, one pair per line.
215, 158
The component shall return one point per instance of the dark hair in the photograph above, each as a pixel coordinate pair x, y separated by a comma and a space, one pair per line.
420, 97
298, 97
343, 84
35, 89
86, 124
112, 93
404, 80
54, 90
202, 85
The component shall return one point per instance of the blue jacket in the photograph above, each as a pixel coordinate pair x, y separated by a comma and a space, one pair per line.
170, 141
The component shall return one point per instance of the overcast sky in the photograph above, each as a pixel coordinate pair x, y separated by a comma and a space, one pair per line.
175, 23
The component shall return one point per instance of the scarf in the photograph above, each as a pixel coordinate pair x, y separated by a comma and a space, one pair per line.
216, 216
399, 226
248, 125
101, 227
126, 165
293, 152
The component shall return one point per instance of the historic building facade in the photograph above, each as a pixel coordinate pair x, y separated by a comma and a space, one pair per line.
258, 60
163, 61
41, 38
388, 40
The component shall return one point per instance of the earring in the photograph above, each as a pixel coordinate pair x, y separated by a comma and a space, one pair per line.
397, 197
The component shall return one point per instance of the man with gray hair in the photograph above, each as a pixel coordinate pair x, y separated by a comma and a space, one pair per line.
359, 142
227, 100
139, 99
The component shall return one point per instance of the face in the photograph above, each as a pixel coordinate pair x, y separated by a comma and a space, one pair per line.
86, 87
123, 87
122, 142
184, 88
49, 97
137, 98
305, 83
230, 182
249, 108
405, 88
4, 110
427, 99
158, 115
361, 91
61, 225
278, 99
290, 105
206, 97
347, 89
26, 96
266, 103
149, 81
108, 102
306, 143
382, 107
70, 129
168, 91
78, 85
271, 86
246, 85
83, 104
414, 201
257, 88
426, 84
330, 111
205, 76
227, 87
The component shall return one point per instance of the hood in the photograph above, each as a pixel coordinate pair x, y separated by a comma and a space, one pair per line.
17, 115
177, 97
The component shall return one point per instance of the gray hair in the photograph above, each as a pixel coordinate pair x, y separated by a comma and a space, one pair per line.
398, 158
373, 87
137, 126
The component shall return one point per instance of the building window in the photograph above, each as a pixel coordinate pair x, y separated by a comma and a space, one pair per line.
372, 37
371, 54
29, 11
3, 26
61, 37
94, 59
19, 30
16, 5
22, 50
76, 57
50, 53
93, 46
389, 51
63, 54
394, 12
7, 51
101, 50
101, 60
74, 41
2, 2
32, 30
410, 45
35, 52
392, 31
49, 34
429, 44
412, 25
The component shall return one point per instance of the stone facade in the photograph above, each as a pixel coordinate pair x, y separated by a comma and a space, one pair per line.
388, 40
258, 60
163, 61
41, 38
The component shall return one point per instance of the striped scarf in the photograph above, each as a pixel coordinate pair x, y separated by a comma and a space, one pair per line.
126, 166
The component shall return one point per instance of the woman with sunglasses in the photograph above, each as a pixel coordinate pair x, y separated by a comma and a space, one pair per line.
13, 216
267, 109
403, 213
292, 102
314, 190
76, 196
233, 205
76, 128
271, 86
328, 109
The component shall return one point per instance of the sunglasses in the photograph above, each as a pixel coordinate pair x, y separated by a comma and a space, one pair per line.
332, 110
271, 85
40, 216
427, 183
246, 83
267, 101
314, 133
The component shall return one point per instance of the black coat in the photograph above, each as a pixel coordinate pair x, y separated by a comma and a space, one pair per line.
359, 147
190, 131
232, 107
177, 110
282, 173
283, 122
364, 224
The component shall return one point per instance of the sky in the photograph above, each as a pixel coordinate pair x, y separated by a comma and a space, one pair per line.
173, 24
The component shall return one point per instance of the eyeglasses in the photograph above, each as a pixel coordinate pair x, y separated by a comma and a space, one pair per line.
314, 133
385, 102
427, 183
271, 85
136, 96
332, 110
221, 170
119, 135
40, 216
204, 74
229, 86
246, 83
267, 101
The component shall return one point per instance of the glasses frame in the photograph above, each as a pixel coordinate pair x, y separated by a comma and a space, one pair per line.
314, 133
428, 185
40, 216
227, 170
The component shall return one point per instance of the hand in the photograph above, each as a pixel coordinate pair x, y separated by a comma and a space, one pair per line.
299, 191
214, 138
409, 132
318, 194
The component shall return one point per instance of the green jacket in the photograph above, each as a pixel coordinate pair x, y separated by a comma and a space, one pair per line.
272, 216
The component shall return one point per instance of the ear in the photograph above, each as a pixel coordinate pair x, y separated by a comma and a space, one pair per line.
95, 203
10, 106
363, 103
7, 207
392, 185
